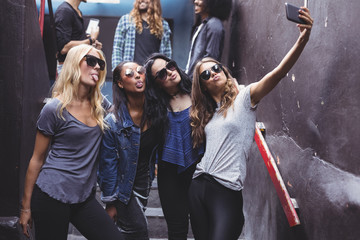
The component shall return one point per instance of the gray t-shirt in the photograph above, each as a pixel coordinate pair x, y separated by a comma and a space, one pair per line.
69, 171
228, 142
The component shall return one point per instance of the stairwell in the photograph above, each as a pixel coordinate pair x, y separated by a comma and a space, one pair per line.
156, 221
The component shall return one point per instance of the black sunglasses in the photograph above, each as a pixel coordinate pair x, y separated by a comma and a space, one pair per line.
130, 72
162, 74
205, 75
92, 61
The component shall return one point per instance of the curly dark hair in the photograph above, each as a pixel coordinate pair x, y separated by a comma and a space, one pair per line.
120, 97
220, 9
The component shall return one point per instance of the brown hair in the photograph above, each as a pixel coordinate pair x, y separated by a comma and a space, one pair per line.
204, 106
154, 18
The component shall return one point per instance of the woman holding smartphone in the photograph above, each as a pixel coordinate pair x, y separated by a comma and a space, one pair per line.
60, 184
223, 117
127, 159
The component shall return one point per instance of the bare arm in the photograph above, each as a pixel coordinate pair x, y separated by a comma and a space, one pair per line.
37, 160
72, 44
94, 35
270, 80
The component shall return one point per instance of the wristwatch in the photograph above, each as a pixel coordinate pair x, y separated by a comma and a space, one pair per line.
91, 41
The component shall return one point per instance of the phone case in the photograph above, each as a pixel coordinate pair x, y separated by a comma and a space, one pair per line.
92, 24
292, 13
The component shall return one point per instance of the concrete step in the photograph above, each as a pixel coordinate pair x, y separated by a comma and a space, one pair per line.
74, 237
156, 222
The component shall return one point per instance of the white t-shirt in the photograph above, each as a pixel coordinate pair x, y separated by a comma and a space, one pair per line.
228, 142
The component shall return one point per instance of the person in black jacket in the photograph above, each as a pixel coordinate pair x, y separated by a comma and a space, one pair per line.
208, 32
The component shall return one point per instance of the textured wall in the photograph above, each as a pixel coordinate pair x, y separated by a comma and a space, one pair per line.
24, 83
311, 118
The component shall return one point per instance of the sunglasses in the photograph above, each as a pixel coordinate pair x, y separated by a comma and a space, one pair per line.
92, 61
130, 72
205, 75
162, 74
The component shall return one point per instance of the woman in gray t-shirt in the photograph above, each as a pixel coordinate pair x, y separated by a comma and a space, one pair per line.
223, 116
61, 177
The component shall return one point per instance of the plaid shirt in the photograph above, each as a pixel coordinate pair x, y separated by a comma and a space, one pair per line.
124, 41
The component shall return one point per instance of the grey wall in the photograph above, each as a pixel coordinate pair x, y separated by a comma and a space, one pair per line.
311, 117
24, 83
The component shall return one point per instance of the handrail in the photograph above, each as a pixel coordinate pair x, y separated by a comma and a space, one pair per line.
276, 178
42, 16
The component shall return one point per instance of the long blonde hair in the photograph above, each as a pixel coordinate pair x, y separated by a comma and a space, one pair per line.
203, 105
67, 83
154, 18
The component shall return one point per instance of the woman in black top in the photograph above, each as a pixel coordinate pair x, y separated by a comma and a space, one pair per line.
126, 155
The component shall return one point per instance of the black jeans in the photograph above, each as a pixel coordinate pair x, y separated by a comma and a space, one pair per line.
215, 211
173, 191
131, 217
52, 218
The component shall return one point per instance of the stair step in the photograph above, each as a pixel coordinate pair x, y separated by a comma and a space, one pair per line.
154, 212
74, 237
156, 222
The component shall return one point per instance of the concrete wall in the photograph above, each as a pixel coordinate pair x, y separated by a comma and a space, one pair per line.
311, 117
24, 83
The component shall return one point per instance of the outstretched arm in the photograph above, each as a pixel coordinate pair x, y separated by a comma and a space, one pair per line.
270, 80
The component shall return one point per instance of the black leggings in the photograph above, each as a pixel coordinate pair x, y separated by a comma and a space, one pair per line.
173, 192
52, 218
215, 211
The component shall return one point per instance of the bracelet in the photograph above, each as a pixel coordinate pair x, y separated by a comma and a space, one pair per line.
91, 41
25, 210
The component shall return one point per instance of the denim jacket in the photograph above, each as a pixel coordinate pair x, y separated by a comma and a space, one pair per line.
119, 153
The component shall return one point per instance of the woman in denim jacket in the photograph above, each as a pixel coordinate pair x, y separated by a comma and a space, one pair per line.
126, 167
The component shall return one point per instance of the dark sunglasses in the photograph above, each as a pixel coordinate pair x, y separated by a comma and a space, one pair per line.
92, 61
205, 75
162, 74
130, 72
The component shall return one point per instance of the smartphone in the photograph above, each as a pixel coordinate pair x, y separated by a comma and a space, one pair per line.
292, 13
93, 23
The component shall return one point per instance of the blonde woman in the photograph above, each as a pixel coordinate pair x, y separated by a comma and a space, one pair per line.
60, 184
141, 33
223, 117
